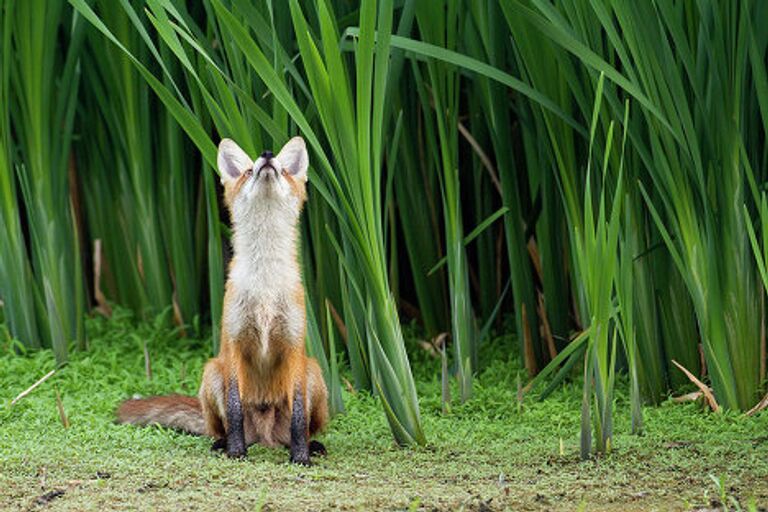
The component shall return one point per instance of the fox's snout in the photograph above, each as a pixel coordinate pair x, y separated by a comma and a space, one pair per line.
268, 169
266, 165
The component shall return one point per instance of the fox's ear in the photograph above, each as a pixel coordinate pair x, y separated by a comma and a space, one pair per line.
294, 158
232, 161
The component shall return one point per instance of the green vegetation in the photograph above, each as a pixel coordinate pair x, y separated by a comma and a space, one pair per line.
595, 171
486, 454
48, 309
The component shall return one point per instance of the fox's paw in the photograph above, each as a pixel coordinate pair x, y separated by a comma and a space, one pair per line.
236, 454
236, 450
317, 448
219, 445
301, 460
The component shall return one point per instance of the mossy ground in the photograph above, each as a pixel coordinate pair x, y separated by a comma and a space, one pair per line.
487, 454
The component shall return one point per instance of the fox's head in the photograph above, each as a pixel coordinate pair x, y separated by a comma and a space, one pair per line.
271, 183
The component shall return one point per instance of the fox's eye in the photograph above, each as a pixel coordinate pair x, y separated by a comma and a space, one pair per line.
249, 173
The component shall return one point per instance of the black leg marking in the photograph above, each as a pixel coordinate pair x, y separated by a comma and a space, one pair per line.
299, 441
219, 445
317, 448
235, 432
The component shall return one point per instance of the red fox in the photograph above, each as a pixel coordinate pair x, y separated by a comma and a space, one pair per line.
262, 387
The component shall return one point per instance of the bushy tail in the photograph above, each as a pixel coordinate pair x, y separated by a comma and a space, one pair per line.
173, 411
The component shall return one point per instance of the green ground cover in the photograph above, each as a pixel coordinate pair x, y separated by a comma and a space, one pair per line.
488, 454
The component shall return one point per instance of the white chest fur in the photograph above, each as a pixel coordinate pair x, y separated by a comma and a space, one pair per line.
264, 278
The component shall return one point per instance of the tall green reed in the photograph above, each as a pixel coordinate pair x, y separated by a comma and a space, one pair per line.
44, 83
124, 169
439, 24
688, 76
596, 251
15, 271
353, 125
497, 111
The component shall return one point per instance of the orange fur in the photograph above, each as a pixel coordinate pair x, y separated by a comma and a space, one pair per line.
174, 411
266, 389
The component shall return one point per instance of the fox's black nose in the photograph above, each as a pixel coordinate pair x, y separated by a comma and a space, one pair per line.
267, 155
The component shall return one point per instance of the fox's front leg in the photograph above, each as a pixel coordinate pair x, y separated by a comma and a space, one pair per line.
235, 433
299, 430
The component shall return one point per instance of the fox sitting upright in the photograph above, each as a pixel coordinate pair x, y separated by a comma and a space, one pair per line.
262, 387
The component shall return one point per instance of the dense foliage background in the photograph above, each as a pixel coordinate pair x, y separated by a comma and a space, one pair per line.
594, 169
